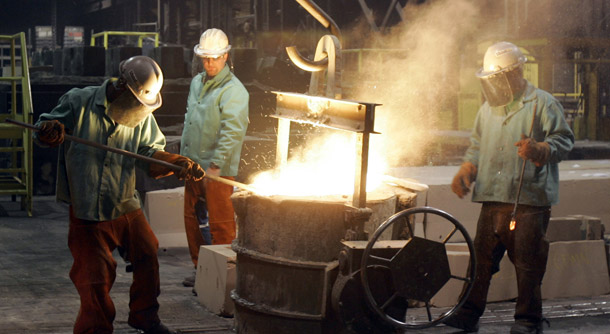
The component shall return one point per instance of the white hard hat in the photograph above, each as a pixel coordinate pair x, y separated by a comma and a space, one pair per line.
213, 43
500, 57
144, 78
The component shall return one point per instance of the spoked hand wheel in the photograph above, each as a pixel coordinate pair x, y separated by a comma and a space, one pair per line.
397, 285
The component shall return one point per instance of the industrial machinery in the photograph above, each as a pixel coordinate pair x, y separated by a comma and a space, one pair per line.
386, 285
306, 264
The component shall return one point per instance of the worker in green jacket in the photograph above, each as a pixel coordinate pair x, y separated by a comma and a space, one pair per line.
99, 187
215, 125
518, 124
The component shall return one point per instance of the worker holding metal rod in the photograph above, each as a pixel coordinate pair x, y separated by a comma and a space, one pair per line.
99, 186
519, 137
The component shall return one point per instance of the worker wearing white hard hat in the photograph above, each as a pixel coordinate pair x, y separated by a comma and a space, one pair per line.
213, 43
214, 129
501, 76
518, 138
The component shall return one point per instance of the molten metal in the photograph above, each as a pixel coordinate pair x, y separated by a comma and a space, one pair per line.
324, 167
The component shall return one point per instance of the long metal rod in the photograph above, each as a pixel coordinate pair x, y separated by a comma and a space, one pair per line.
513, 221
171, 166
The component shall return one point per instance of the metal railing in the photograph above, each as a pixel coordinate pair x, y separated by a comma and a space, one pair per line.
16, 176
141, 36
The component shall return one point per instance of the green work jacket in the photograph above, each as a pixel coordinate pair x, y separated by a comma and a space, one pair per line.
216, 121
492, 149
100, 185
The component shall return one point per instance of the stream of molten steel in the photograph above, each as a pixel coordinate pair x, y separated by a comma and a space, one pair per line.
326, 166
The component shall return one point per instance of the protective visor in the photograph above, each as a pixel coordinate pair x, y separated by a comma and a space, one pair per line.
128, 111
497, 88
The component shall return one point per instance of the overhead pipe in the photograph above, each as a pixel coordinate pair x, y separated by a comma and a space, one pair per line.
321, 16
304, 63
321, 62
175, 168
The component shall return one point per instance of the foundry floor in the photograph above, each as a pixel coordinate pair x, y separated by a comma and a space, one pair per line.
37, 296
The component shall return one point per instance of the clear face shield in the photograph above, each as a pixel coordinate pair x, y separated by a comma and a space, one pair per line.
500, 88
128, 111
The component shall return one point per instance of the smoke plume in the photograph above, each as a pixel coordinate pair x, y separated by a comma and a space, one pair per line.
417, 78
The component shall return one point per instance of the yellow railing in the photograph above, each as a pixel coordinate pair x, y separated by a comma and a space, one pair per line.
141, 36
16, 179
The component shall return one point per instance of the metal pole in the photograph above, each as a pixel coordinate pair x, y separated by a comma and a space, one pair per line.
513, 220
171, 166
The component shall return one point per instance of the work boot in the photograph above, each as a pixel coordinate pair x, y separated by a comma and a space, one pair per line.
158, 328
189, 281
526, 327
464, 323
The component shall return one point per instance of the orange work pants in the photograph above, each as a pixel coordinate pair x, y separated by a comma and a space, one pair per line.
220, 212
94, 270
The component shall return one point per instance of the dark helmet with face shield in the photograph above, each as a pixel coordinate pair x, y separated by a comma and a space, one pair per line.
143, 79
501, 76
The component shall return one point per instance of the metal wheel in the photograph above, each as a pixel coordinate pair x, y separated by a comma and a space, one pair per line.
414, 273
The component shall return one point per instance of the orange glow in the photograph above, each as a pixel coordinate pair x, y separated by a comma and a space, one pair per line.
325, 167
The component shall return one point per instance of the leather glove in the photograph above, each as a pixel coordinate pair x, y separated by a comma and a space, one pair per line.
190, 169
51, 133
463, 179
530, 149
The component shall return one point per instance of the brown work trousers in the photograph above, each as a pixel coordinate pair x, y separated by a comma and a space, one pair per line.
527, 248
220, 212
94, 270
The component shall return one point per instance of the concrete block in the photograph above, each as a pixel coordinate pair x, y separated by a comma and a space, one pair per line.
215, 278
583, 185
440, 196
591, 227
564, 229
576, 269
450, 292
464, 210
503, 284
165, 212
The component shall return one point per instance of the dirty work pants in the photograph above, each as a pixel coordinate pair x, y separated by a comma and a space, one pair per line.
527, 248
94, 270
220, 210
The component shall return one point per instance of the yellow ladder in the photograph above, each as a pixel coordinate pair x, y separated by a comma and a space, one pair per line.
16, 177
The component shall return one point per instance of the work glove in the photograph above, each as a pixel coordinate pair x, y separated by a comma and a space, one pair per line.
530, 149
190, 169
463, 179
51, 133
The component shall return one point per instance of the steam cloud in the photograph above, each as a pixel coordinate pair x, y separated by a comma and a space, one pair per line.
417, 84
